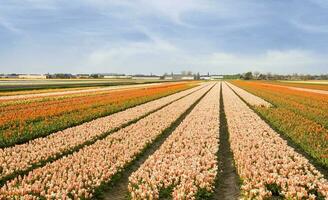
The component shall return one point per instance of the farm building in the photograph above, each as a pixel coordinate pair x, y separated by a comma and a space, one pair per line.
118, 76
146, 77
179, 77
216, 77
32, 76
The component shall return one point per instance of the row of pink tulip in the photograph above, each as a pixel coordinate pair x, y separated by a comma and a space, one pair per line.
78, 174
265, 162
187, 159
21, 157
248, 97
74, 91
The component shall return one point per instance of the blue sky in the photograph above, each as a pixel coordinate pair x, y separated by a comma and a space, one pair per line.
141, 36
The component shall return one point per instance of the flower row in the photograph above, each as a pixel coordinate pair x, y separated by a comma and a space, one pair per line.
70, 91
23, 122
302, 116
265, 162
21, 157
187, 159
314, 87
77, 175
248, 97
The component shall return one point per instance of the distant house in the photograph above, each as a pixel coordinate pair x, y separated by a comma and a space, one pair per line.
146, 77
118, 76
32, 76
82, 75
168, 77
206, 77
178, 77
216, 77
8, 76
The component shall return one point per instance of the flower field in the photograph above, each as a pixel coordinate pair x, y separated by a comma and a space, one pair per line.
248, 97
22, 120
79, 174
316, 85
24, 156
266, 164
187, 160
301, 116
176, 141
5, 96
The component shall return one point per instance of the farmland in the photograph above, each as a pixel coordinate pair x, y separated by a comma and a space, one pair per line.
17, 86
302, 116
21, 120
178, 140
319, 85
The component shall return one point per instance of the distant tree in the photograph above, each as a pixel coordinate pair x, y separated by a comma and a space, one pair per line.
248, 76
262, 77
234, 76
96, 76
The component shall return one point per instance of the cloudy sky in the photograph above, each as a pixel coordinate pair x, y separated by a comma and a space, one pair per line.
157, 36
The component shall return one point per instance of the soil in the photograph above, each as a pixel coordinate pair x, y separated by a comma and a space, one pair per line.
227, 185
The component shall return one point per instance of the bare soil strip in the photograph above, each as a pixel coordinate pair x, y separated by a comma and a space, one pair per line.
227, 184
117, 189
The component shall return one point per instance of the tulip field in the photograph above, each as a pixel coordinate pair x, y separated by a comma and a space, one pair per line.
316, 85
171, 140
22, 119
300, 115
266, 164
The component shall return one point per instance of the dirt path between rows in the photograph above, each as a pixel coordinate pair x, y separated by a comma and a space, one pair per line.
227, 186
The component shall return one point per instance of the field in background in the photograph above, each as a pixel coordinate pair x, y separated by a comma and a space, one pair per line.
317, 85
14, 85
308, 82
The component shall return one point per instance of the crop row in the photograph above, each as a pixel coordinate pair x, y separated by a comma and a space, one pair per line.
60, 92
78, 174
186, 162
24, 156
248, 97
265, 162
20, 123
300, 89
308, 86
301, 116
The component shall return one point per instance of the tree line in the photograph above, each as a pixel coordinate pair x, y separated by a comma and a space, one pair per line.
270, 76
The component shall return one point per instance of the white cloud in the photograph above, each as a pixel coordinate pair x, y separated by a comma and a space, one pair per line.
130, 56
161, 56
175, 9
9, 26
310, 27
170, 9
287, 61
202, 36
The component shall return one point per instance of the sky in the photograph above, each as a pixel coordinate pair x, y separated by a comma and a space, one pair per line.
158, 36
